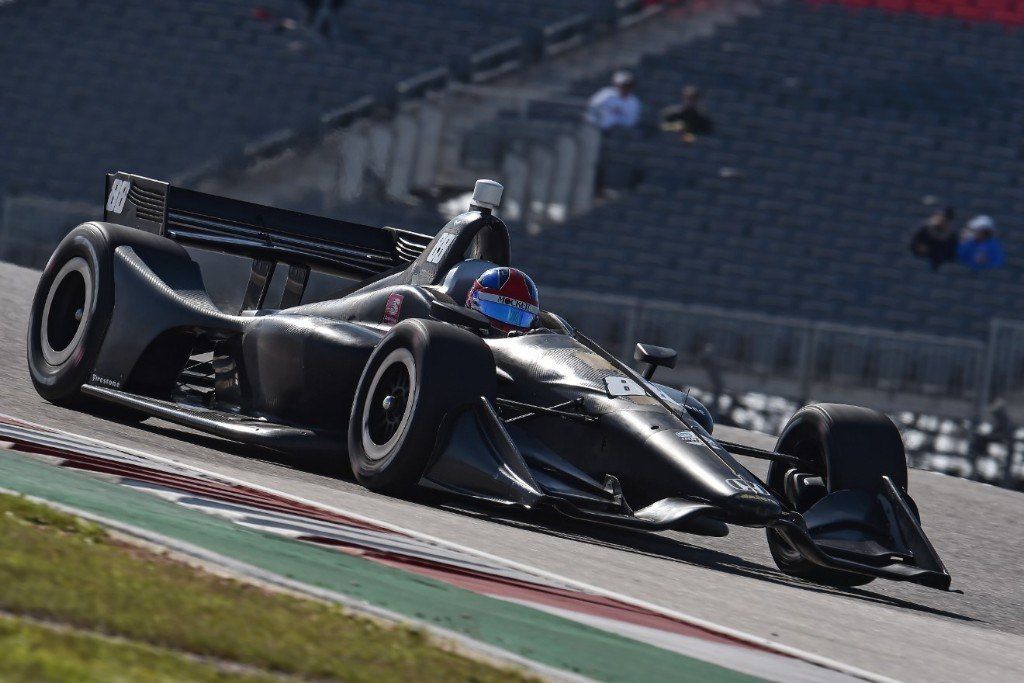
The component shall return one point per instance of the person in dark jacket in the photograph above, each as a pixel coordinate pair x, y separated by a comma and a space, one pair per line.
935, 239
980, 249
688, 117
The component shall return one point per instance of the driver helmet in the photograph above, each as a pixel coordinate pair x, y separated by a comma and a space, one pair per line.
508, 297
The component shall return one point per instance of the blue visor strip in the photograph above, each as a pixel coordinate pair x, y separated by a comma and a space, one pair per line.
506, 314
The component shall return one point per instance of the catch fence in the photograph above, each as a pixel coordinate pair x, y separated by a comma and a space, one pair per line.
809, 357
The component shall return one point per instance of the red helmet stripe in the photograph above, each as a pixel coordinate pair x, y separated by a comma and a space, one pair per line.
517, 288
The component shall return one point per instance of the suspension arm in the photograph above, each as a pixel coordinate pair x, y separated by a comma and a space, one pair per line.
760, 453
529, 410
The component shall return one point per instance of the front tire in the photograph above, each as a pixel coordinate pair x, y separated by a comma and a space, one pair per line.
420, 372
848, 447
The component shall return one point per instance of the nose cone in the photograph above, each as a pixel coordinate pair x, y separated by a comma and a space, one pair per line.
750, 508
678, 462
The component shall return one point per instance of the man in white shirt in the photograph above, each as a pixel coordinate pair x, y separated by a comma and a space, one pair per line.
615, 105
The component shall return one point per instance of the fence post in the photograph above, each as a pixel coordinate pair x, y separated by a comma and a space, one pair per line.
984, 394
353, 153
431, 122
403, 151
379, 140
562, 184
629, 338
1011, 456
986, 370
515, 173
542, 168
3, 224
808, 358
589, 139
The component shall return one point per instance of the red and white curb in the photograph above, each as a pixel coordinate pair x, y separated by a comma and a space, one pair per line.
274, 512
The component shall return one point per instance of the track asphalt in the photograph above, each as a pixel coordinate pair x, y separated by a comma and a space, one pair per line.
899, 630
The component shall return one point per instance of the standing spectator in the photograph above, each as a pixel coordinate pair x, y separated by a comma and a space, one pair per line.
979, 248
687, 118
935, 240
615, 106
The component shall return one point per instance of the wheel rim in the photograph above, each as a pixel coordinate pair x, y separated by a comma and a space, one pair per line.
388, 407
67, 311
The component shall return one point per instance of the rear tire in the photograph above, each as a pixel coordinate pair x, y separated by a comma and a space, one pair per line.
419, 373
849, 448
70, 313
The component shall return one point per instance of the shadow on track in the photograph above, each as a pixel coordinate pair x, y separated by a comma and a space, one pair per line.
638, 542
337, 468
650, 544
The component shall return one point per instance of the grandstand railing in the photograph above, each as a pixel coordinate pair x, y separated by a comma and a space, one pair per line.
1003, 374
806, 355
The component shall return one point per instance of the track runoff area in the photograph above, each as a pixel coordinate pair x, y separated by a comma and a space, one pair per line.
556, 627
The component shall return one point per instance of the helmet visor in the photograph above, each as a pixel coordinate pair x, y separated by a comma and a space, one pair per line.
503, 313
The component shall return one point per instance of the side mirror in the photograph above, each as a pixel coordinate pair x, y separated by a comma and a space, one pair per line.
655, 357
459, 315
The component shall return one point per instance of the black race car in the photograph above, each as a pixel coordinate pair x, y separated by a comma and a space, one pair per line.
410, 384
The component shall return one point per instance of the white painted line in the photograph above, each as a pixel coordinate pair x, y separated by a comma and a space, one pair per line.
736, 634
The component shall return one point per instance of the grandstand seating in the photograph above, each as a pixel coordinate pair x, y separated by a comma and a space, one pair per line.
161, 87
933, 442
835, 123
834, 120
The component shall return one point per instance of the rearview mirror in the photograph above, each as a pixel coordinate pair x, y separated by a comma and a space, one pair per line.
459, 315
655, 357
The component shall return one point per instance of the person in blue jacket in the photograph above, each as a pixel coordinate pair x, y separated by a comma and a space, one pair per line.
979, 248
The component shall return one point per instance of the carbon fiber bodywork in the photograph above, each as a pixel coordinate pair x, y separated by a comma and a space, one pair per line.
571, 428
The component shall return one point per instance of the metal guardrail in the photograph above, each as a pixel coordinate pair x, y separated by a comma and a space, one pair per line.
805, 353
1003, 372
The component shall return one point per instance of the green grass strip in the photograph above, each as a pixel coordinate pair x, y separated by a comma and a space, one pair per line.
37, 654
545, 638
57, 567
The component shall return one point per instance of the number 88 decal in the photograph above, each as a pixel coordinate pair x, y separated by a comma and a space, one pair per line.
118, 193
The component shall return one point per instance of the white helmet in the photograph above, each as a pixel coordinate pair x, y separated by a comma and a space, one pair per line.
981, 222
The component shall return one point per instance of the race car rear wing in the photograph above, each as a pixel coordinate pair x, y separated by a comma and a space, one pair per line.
268, 235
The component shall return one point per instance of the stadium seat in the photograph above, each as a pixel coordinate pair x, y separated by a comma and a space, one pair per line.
841, 121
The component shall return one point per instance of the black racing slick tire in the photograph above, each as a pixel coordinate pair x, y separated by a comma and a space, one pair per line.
70, 313
848, 447
421, 371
